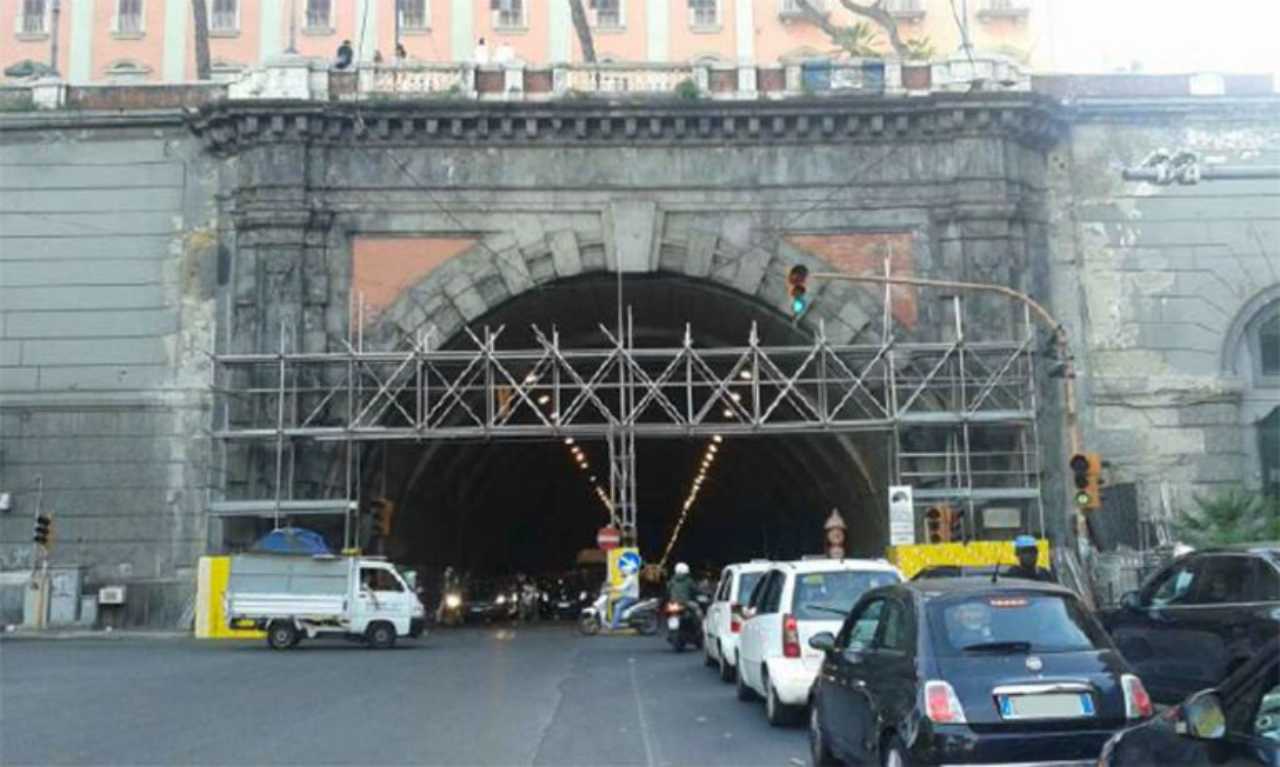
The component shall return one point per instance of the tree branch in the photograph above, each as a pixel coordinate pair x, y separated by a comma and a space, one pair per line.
874, 12
583, 29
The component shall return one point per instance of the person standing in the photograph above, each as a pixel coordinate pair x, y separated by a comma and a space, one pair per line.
1028, 554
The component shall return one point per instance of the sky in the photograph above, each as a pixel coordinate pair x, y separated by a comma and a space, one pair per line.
1163, 35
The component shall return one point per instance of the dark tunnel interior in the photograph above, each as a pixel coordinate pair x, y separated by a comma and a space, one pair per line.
500, 507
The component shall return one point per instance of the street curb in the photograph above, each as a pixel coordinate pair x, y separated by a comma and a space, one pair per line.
19, 633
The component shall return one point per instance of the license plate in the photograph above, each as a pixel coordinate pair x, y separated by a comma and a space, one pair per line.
562, 604
1072, 705
673, 623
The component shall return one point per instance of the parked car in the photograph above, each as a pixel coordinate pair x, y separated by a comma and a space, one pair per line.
793, 602
1237, 723
1199, 619
724, 617
964, 671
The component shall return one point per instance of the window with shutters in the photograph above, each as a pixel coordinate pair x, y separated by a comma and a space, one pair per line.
607, 14
704, 14
791, 9
320, 15
414, 15
129, 21
224, 17
508, 14
34, 19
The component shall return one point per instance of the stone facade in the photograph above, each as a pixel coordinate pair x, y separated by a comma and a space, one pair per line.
248, 217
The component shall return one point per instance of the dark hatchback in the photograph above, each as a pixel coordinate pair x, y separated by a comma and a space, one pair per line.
1199, 619
966, 671
1237, 723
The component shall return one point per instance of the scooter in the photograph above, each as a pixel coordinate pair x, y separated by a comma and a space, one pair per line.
451, 611
684, 626
642, 616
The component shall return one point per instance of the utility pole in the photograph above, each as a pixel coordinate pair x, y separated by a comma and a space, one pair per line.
55, 11
200, 12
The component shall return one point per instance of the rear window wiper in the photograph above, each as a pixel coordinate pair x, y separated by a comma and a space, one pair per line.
825, 609
998, 647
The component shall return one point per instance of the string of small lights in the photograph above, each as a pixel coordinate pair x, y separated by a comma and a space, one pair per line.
709, 456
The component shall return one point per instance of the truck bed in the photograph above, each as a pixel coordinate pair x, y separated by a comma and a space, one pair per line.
318, 607
288, 585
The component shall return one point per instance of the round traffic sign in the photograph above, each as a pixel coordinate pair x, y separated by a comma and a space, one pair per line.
630, 563
608, 538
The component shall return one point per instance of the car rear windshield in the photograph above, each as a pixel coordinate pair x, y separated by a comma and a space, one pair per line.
746, 584
830, 595
1005, 622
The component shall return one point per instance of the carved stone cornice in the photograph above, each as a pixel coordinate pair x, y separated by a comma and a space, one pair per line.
229, 127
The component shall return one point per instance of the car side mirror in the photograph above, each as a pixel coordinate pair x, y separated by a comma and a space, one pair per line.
1130, 600
824, 641
1202, 716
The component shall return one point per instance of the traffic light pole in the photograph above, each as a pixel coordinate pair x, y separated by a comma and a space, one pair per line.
1061, 344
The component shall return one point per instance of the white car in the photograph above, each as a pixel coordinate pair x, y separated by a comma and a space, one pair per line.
724, 617
790, 604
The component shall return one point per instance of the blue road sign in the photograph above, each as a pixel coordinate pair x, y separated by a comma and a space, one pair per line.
629, 563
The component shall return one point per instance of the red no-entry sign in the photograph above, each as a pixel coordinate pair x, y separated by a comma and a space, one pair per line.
608, 538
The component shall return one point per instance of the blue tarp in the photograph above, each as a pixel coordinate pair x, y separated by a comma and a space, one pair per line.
292, 540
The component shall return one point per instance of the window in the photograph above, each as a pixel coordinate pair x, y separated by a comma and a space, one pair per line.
377, 579
33, 17
860, 629
772, 597
607, 14
1174, 587
1264, 586
319, 14
129, 17
829, 595
905, 8
1269, 346
507, 14
414, 14
704, 13
895, 629
792, 7
1222, 580
224, 16
758, 592
1003, 9
747, 583
1039, 623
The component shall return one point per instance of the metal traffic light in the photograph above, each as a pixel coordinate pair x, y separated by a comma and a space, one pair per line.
1086, 473
938, 522
43, 530
383, 511
797, 279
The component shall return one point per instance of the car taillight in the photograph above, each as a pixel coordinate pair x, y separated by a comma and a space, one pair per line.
1137, 703
735, 618
790, 637
941, 704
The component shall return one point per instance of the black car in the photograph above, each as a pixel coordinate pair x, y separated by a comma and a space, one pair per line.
1238, 724
1199, 619
966, 671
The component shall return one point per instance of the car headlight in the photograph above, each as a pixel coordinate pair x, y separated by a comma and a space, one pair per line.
583, 595
453, 600
502, 600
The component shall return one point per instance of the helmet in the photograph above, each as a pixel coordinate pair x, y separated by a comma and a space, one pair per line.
1024, 542
682, 568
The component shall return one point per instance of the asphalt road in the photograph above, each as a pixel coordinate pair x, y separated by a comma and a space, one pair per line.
542, 696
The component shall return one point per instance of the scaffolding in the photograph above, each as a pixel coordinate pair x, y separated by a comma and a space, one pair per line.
959, 415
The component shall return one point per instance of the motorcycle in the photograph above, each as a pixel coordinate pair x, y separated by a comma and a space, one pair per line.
451, 612
642, 616
684, 625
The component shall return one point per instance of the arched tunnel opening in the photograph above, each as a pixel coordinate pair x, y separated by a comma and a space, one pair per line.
499, 507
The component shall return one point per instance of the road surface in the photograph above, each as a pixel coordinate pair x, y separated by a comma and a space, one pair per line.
542, 696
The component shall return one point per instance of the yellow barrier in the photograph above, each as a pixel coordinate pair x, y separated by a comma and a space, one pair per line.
912, 559
211, 585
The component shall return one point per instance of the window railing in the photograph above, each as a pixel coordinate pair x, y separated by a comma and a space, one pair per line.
33, 14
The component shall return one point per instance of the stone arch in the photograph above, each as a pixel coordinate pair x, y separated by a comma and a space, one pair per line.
1237, 334
497, 269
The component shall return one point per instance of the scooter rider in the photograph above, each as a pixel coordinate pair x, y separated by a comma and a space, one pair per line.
626, 594
680, 589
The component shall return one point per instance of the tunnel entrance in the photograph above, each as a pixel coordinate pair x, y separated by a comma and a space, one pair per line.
494, 446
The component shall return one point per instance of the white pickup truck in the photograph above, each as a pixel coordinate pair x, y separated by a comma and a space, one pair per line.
291, 596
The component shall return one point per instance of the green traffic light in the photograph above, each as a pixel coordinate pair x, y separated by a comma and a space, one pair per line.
798, 305
1082, 499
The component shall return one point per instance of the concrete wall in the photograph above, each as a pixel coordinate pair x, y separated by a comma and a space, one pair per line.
107, 273
1156, 283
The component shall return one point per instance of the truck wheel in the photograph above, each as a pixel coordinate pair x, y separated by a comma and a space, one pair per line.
281, 635
381, 635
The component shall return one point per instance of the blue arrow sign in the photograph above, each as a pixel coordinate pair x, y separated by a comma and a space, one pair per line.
629, 563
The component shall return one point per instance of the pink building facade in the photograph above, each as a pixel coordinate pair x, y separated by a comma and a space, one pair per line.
153, 40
